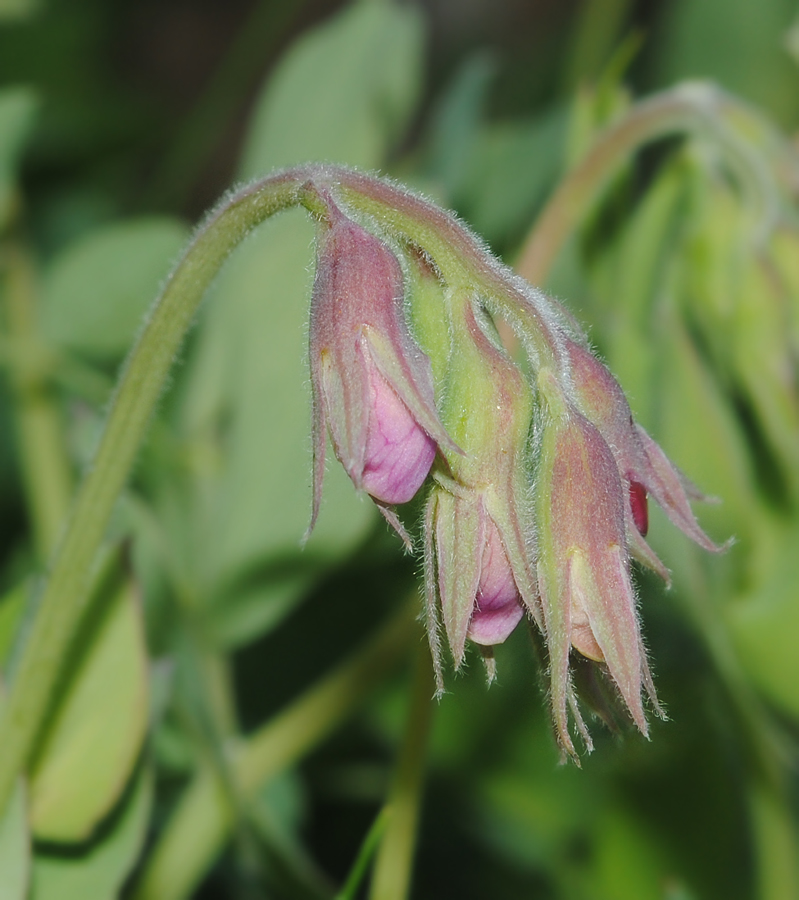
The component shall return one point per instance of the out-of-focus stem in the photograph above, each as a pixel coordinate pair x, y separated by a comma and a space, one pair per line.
394, 864
364, 859
688, 107
46, 473
203, 819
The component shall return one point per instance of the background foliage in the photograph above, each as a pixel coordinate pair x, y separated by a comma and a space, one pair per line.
119, 124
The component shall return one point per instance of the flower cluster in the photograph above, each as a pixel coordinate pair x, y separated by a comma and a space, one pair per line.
536, 476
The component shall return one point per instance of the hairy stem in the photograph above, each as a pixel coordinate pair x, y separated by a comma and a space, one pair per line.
141, 384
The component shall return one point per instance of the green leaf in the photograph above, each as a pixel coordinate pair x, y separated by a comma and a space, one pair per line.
514, 165
99, 870
12, 609
95, 734
455, 126
628, 279
98, 290
764, 362
12, 10
14, 849
735, 42
235, 616
764, 622
17, 109
699, 430
342, 92
630, 863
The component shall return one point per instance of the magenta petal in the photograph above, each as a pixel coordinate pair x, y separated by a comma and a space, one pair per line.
398, 452
498, 607
493, 626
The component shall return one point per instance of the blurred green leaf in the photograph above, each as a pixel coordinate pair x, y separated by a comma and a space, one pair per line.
792, 39
514, 164
735, 42
235, 615
11, 10
97, 290
733, 295
629, 280
699, 430
764, 364
12, 608
95, 734
783, 248
778, 848
456, 123
14, 848
630, 863
342, 93
17, 109
764, 621
98, 871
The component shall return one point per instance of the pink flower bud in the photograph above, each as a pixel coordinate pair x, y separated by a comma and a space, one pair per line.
398, 452
474, 580
498, 606
583, 569
372, 385
642, 465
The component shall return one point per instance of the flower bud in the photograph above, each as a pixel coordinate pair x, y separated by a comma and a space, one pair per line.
643, 467
583, 570
372, 385
478, 560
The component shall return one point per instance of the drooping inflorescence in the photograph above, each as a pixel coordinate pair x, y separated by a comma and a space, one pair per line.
536, 475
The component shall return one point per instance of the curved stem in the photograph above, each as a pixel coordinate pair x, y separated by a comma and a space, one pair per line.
688, 107
460, 257
142, 381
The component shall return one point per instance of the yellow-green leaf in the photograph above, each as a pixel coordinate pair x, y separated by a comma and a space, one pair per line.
98, 871
14, 849
95, 734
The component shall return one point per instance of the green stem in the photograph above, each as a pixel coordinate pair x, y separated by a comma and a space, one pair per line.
364, 859
462, 260
202, 821
688, 108
394, 864
141, 384
46, 473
